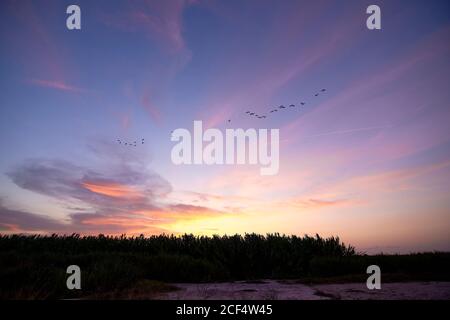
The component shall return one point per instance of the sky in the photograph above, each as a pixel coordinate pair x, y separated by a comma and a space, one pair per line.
368, 160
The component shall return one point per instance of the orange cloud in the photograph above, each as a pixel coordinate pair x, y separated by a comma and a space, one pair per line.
319, 203
114, 190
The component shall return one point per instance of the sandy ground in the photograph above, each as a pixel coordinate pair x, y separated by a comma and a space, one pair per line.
275, 290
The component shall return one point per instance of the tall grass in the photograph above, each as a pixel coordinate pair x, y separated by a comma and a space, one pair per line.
225, 257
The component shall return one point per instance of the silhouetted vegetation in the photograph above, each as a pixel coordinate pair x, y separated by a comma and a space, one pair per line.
35, 266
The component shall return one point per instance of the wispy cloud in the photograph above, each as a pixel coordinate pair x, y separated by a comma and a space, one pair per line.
20, 221
46, 59
159, 20
57, 85
349, 131
319, 203
256, 77
150, 107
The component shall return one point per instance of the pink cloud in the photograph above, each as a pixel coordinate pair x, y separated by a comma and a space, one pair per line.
58, 85
159, 20
45, 60
319, 203
150, 108
253, 84
355, 113
125, 121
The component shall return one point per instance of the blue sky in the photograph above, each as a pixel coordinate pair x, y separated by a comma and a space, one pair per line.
368, 161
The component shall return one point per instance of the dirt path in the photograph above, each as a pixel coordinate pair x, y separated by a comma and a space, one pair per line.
275, 290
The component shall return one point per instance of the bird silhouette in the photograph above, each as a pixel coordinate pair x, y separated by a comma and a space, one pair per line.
323, 90
292, 105
302, 103
281, 107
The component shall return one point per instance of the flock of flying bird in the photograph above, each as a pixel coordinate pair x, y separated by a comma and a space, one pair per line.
131, 144
250, 113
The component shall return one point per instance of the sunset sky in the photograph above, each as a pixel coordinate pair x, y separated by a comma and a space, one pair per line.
368, 160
